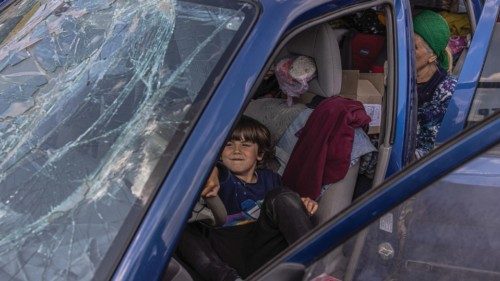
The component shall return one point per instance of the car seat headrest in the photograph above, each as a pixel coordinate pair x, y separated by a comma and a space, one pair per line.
321, 44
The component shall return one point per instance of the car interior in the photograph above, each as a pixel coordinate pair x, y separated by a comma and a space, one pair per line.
354, 57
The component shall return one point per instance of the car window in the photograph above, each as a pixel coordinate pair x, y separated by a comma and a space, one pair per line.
457, 115
96, 100
449, 231
487, 97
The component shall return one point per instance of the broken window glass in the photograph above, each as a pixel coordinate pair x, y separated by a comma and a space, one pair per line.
92, 95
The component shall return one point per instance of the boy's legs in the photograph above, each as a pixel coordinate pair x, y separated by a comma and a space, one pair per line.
283, 220
196, 250
283, 210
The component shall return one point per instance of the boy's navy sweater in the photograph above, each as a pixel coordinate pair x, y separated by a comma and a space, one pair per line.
243, 200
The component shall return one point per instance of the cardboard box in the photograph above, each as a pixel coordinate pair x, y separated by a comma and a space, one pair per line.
377, 79
367, 88
349, 82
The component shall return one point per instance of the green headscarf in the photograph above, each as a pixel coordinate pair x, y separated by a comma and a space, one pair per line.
434, 29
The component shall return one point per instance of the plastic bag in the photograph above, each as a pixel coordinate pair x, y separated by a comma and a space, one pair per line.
293, 75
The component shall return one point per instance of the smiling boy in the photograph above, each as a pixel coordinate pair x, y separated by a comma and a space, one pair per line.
263, 217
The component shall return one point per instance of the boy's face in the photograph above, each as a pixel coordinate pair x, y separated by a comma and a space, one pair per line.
241, 157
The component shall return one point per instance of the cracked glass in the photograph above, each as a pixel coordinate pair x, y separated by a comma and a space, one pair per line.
93, 94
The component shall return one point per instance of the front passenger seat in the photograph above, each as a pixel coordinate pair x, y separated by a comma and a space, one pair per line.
321, 44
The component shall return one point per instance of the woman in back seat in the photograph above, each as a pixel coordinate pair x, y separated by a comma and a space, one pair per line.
434, 85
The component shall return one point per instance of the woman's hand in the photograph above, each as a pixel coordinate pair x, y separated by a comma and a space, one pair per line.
212, 185
311, 205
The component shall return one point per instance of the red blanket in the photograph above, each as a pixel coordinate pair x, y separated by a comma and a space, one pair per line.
322, 154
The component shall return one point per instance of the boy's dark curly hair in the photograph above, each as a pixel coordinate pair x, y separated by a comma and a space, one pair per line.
249, 129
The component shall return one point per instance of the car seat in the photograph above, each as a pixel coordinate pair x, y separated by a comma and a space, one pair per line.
319, 43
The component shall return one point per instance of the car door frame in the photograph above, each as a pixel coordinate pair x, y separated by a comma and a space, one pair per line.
389, 195
455, 118
474, 8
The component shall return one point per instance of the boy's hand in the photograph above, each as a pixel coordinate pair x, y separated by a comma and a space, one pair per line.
212, 185
311, 205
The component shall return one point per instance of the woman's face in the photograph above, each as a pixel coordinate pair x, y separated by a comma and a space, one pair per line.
423, 53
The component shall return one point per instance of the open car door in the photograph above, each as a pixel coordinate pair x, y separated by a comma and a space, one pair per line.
477, 93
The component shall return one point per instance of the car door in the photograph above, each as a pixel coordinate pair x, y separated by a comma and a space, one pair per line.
441, 210
476, 95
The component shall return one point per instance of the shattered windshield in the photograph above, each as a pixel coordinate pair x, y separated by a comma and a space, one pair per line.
93, 94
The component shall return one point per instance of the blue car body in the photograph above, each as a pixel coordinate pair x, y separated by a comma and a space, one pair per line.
148, 248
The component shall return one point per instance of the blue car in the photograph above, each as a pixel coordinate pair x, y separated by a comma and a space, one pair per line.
113, 113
